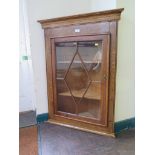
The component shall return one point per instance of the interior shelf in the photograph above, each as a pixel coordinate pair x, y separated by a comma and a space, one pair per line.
62, 62
94, 95
87, 114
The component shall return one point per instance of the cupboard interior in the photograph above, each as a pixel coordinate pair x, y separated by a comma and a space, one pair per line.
78, 77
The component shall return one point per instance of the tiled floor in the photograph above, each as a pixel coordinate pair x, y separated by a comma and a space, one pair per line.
58, 140
27, 119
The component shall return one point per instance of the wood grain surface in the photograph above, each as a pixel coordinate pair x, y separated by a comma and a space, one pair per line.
28, 141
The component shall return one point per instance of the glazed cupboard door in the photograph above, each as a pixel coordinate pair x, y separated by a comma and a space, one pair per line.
81, 71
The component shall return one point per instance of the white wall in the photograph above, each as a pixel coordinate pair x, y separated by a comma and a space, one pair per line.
26, 85
97, 5
125, 91
42, 9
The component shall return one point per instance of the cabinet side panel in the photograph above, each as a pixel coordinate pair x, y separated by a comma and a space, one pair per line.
49, 74
113, 58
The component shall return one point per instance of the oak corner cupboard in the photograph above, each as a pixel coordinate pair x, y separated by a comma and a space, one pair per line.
81, 70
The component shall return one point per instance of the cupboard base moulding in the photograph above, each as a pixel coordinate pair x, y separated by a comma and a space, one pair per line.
80, 128
81, 54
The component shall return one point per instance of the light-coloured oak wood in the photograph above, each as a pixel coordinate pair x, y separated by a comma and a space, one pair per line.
82, 128
93, 26
94, 95
108, 15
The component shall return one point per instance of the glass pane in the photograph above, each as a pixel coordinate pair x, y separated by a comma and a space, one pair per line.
77, 78
90, 104
91, 53
64, 99
64, 55
78, 74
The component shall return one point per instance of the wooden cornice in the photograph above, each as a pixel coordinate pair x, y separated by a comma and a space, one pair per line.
107, 15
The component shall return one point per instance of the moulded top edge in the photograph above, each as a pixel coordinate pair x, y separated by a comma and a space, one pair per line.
78, 16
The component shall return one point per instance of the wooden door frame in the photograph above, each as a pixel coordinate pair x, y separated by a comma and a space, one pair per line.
104, 86
112, 81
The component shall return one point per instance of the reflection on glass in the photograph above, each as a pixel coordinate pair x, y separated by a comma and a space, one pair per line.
90, 104
77, 78
92, 58
78, 74
65, 101
64, 55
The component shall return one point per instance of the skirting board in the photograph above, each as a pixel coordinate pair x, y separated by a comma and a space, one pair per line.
119, 126
42, 117
124, 125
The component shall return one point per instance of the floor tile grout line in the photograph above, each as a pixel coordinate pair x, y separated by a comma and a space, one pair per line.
27, 126
39, 140
100, 147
